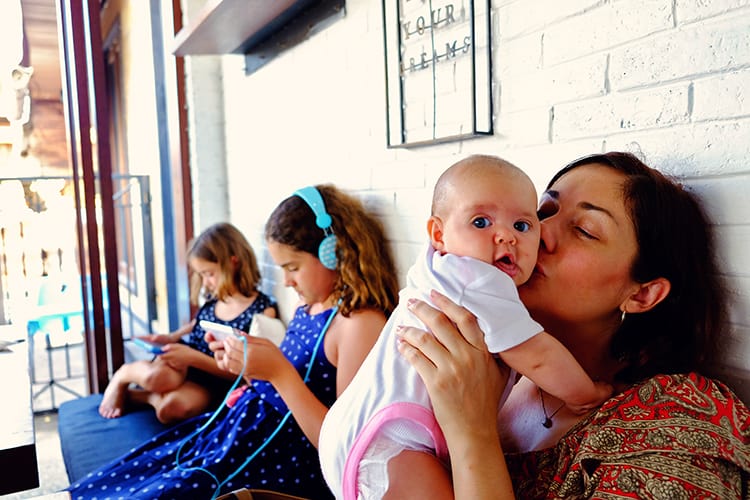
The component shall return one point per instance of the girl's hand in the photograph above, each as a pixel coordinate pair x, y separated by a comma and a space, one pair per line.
178, 356
461, 376
216, 346
261, 359
157, 338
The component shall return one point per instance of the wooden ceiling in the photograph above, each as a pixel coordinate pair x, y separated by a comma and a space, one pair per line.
46, 135
40, 26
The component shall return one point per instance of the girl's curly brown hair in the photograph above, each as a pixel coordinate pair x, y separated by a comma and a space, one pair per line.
366, 271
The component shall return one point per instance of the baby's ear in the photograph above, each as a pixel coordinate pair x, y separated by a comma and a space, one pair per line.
435, 230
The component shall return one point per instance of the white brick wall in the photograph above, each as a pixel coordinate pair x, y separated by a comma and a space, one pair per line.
667, 78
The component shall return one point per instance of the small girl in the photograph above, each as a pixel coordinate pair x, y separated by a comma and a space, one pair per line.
184, 380
335, 256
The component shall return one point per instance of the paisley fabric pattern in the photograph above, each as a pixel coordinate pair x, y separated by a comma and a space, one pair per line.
673, 437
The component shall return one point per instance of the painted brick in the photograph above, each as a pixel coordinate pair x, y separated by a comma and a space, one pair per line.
524, 16
651, 108
530, 126
521, 55
608, 26
399, 175
542, 162
735, 348
697, 50
725, 198
692, 10
736, 377
733, 242
739, 300
715, 148
721, 97
579, 79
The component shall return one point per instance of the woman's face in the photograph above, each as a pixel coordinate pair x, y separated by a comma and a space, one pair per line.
587, 248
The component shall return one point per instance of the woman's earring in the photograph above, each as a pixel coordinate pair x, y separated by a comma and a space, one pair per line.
622, 318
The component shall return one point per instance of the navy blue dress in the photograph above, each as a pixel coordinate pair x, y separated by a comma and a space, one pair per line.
218, 386
216, 453
241, 322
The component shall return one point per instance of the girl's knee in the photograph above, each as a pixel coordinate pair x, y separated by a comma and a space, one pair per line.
177, 407
162, 379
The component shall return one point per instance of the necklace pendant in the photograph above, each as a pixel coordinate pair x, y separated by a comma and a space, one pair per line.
547, 423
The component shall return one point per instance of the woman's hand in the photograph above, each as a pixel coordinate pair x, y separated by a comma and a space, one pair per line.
461, 376
465, 384
262, 359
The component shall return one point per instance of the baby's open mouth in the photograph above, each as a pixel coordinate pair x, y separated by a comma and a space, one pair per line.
506, 265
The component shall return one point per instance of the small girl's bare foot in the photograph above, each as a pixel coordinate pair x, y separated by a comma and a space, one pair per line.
113, 400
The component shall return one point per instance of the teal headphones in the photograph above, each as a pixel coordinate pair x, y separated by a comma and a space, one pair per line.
327, 248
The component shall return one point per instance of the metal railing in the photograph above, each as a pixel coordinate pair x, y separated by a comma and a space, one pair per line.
41, 284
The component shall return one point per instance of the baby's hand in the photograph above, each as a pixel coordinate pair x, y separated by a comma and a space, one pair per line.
603, 393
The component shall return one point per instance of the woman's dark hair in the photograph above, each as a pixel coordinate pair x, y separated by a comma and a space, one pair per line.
674, 242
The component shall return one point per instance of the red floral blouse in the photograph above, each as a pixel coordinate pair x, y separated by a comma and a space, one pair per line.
672, 437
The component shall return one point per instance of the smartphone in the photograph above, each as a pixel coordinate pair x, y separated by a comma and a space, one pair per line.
220, 331
149, 346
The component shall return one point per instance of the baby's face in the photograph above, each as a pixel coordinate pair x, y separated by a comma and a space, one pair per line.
492, 217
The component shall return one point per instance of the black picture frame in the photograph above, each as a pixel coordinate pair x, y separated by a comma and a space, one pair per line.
438, 71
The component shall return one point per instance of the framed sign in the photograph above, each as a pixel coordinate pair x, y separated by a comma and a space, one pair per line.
438, 70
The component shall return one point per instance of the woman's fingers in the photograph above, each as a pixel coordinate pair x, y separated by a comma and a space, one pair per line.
462, 318
412, 344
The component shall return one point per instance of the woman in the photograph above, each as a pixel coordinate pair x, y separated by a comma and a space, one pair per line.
266, 436
626, 280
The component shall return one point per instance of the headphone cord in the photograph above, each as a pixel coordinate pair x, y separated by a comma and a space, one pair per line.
273, 434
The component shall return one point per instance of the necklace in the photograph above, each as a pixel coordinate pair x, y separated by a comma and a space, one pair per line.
547, 423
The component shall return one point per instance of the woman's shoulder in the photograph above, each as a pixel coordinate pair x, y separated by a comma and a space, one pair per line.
686, 413
693, 394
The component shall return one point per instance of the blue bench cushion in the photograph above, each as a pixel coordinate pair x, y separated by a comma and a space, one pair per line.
88, 440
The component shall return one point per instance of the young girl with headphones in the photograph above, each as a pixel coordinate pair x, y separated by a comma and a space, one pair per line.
333, 253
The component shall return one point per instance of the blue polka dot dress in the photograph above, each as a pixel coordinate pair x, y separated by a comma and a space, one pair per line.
218, 386
241, 322
288, 463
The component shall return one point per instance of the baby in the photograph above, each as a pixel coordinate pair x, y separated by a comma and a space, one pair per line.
484, 238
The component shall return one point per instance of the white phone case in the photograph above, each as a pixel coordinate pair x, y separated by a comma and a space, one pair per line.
220, 331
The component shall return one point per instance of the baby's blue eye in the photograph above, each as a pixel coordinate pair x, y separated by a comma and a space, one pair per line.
522, 226
481, 222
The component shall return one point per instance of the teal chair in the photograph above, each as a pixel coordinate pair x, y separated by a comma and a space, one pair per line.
58, 316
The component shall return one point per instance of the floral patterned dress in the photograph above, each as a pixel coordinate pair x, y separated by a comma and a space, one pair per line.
673, 437
253, 443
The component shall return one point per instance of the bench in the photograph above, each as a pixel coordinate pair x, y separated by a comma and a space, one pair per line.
88, 440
